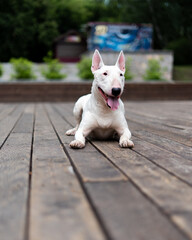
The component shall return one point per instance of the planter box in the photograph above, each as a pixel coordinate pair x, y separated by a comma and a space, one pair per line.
62, 91
139, 61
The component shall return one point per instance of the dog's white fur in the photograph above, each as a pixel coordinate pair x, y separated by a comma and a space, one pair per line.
92, 112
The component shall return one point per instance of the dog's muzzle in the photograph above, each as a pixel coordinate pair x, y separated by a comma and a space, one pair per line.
111, 101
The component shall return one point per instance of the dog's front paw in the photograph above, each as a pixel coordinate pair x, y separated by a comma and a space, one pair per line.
71, 132
76, 144
125, 143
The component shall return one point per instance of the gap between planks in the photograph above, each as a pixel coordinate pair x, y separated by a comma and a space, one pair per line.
143, 146
175, 220
69, 211
147, 197
9, 122
15, 155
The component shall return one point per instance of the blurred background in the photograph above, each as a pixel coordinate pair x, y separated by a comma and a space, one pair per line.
33, 29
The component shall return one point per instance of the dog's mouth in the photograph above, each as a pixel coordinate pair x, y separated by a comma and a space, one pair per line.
112, 102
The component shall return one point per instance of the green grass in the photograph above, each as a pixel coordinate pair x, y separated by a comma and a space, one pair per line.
182, 73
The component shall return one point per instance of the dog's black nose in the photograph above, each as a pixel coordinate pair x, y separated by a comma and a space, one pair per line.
116, 91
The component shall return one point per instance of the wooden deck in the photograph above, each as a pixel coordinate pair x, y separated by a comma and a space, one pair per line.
49, 191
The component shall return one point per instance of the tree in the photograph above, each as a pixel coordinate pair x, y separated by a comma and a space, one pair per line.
27, 28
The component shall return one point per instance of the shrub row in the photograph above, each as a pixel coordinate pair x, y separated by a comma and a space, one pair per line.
153, 71
23, 68
52, 71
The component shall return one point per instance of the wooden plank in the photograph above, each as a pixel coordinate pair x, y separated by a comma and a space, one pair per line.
148, 133
161, 122
161, 107
59, 209
3, 106
173, 163
165, 143
25, 124
163, 158
128, 214
173, 114
7, 124
91, 165
165, 190
14, 175
6, 109
174, 134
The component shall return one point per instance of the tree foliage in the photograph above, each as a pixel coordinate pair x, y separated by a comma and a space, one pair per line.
28, 27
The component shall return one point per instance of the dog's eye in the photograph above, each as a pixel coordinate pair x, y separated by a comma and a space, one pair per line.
105, 73
121, 74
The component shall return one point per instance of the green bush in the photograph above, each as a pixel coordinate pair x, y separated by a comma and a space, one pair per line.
84, 67
153, 71
53, 68
22, 68
1, 70
128, 75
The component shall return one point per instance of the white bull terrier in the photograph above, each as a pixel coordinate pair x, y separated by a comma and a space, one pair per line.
101, 113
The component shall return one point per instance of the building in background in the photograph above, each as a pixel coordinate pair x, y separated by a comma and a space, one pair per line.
69, 46
116, 37
105, 37
110, 38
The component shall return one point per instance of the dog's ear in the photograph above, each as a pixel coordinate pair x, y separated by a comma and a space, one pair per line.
121, 62
97, 61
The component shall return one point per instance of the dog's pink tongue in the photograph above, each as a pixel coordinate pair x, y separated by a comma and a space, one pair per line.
113, 103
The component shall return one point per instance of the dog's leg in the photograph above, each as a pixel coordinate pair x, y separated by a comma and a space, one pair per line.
72, 131
125, 135
79, 141
85, 127
77, 112
124, 140
80, 136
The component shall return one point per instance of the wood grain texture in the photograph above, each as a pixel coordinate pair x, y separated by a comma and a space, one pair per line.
7, 123
148, 160
25, 124
50, 191
163, 142
166, 191
160, 125
14, 176
6, 109
59, 209
128, 214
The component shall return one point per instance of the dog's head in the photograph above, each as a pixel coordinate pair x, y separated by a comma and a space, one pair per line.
109, 80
